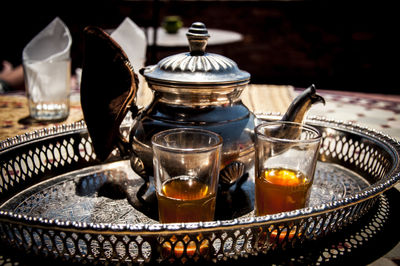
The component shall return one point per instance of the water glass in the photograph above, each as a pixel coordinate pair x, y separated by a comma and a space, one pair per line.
48, 88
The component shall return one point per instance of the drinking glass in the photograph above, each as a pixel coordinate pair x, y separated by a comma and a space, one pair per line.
48, 88
286, 155
186, 171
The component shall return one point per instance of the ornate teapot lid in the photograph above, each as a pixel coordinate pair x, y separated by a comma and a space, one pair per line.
196, 68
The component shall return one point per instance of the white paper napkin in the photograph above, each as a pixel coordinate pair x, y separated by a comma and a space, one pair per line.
46, 60
132, 40
52, 43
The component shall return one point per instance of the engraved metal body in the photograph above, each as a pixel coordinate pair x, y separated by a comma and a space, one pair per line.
199, 90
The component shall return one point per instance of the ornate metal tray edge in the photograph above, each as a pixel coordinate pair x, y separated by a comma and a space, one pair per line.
374, 190
41, 133
332, 216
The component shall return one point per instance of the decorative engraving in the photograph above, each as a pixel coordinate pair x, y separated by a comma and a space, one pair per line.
231, 173
97, 197
204, 63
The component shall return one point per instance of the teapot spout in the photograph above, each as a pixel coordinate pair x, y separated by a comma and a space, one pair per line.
301, 104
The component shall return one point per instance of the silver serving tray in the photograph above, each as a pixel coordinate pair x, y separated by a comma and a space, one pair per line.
57, 200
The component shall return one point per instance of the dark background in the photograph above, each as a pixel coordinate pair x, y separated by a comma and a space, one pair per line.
338, 45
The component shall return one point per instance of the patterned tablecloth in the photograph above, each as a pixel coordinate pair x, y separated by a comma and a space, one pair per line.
380, 112
15, 120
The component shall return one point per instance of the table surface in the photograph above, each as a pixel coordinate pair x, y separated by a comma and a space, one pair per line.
179, 39
379, 112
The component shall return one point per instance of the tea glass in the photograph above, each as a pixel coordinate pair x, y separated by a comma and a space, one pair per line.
186, 171
286, 155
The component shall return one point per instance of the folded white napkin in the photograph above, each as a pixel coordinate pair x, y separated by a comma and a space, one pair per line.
52, 43
46, 60
132, 40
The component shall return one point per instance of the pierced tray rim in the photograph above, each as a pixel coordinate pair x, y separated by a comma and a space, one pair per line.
393, 176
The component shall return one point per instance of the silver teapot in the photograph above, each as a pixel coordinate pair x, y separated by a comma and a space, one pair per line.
194, 89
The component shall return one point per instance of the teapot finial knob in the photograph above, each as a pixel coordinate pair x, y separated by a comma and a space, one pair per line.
197, 36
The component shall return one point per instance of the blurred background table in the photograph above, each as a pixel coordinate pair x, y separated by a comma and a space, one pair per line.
167, 44
218, 37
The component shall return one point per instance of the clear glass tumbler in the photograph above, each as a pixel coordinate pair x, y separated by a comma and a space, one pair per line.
48, 89
186, 170
285, 160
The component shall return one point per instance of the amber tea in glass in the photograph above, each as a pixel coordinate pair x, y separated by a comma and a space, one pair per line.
186, 171
191, 197
286, 157
280, 190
